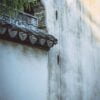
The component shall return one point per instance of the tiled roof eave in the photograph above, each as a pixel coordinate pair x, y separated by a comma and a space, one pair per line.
24, 36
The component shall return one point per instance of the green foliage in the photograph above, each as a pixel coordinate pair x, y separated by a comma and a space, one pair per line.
11, 7
18, 4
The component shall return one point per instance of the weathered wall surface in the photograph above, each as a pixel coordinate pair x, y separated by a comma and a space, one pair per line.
23, 72
74, 75
73, 65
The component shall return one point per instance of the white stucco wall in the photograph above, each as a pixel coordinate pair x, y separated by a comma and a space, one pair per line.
23, 72
77, 28
31, 74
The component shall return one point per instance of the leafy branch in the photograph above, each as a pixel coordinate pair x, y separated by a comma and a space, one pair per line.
18, 4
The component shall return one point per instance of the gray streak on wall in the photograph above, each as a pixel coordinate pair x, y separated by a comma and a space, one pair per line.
76, 78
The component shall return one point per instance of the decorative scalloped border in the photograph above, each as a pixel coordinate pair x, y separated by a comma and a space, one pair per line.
15, 34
